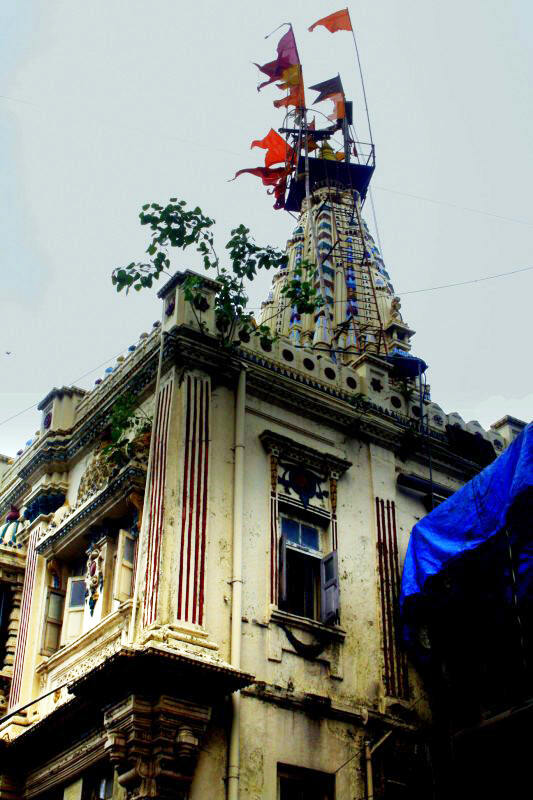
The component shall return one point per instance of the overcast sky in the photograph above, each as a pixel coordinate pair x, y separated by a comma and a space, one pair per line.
109, 104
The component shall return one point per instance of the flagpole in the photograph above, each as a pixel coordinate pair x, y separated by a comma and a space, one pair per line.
362, 79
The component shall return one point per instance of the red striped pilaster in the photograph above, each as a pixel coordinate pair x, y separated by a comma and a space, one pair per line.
156, 508
25, 608
274, 580
396, 678
192, 545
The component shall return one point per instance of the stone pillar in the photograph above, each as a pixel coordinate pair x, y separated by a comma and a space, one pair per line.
12, 629
154, 744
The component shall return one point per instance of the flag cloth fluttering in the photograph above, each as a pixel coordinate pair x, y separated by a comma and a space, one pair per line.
275, 177
338, 21
287, 69
331, 90
277, 149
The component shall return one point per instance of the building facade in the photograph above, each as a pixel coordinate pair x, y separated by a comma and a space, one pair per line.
210, 610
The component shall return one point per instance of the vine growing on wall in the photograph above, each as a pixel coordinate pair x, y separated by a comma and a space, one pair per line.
176, 226
127, 422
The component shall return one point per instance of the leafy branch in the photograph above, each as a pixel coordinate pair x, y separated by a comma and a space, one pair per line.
176, 226
127, 420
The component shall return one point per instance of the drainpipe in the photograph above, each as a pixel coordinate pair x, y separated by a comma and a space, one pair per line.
236, 585
369, 750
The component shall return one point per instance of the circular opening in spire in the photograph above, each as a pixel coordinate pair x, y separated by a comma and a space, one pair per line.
287, 355
351, 383
330, 373
308, 364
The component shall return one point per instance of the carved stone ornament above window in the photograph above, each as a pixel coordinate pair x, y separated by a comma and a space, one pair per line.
286, 449
302, 482
96, 475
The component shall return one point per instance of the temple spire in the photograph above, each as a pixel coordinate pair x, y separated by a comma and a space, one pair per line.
361, 312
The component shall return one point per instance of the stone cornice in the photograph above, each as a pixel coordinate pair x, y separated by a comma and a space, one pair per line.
322, 706
68, 391
268, 379
326, 463
120, 486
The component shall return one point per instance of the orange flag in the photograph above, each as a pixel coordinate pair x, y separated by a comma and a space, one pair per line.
338, 21
277, 149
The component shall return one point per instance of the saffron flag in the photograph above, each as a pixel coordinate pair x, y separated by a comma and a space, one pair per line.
338, 21
295, 97
277, 149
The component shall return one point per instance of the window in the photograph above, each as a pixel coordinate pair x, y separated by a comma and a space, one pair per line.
309, 583
304, 784
124, 567
76, 590
53, 620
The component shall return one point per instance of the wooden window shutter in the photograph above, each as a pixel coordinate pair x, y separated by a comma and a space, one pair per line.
75, 606
329, 588
122, 589
53, 620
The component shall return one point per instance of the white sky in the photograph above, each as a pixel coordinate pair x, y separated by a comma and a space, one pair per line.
109, 104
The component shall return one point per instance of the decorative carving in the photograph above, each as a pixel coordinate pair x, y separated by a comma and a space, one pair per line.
97, 474
303, 482
395, 314
87, 662
154, 744
333, 494
94, 576
273, 473
290, 450
12, 629
136, 499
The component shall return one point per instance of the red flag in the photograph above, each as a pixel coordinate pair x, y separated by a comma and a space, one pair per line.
277, 149
275, 177
269, 175
338, 21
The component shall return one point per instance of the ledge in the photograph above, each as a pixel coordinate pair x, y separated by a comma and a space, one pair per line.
334, 632
325, 462
130, 478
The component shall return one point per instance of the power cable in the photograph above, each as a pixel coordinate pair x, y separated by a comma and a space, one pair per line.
72, 383
455, 205
233, 153
444, 285
258, 308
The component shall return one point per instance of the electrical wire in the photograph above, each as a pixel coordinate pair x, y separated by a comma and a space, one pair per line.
258, 308
444, 285
456, 206
203, 146
72, 383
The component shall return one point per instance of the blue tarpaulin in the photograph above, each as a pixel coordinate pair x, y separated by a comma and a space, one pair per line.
468, 519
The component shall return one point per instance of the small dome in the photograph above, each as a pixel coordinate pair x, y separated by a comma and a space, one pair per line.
9, 530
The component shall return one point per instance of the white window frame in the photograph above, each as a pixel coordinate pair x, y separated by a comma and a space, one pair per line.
122, 568
72, 614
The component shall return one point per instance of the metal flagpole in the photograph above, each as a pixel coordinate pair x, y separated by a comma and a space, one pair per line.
362, 79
